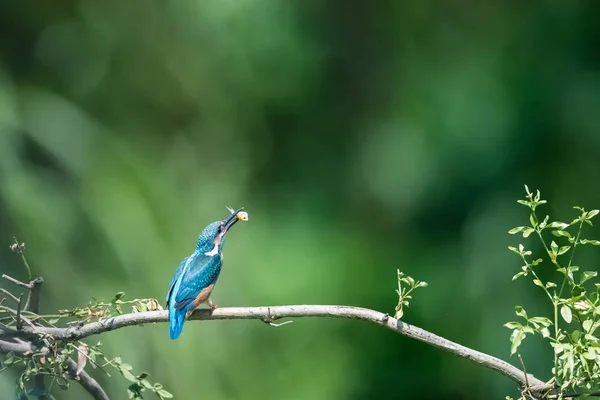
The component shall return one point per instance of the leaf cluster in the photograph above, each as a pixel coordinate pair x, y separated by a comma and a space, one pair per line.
406, 285
573, 294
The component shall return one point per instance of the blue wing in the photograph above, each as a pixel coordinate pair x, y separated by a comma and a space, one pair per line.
175, 277
201, 273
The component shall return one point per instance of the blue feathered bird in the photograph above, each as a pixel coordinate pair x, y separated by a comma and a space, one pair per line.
197, 274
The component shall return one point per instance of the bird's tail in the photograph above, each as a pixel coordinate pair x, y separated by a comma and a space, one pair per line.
176, 320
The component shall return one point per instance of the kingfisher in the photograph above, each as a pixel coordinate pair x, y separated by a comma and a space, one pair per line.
197, 274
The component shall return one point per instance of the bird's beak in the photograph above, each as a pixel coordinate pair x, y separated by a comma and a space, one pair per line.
231, 219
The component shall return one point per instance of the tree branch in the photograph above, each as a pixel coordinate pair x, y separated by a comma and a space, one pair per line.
85, 380
33, 300
17, 282
33, 305
270, 314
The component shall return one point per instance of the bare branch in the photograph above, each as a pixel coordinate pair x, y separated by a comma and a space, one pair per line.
20, 348
18, 317
297, 311
33, 305
33, 300
19, 312
9, 294
17, 282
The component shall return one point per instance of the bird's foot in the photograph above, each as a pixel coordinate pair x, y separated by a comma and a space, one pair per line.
212, 305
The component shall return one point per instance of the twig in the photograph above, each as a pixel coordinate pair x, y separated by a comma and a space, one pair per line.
19, 348
6, 329
525, 390
33, 329
86, 381
33, 306
297, 311
17, 282
9, 294
20, 248
19, 325
33, 300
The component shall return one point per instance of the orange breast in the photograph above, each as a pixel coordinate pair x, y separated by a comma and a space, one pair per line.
203, 296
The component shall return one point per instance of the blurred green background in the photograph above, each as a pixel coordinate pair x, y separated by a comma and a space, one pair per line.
361, 137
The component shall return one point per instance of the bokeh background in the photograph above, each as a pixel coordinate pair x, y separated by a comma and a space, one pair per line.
360, 136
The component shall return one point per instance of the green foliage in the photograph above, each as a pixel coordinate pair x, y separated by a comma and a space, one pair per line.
52, 362
406, 285
51, 357
574, 296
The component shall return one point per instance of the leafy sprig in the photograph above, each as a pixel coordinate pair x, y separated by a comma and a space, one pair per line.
573, 338
406, 285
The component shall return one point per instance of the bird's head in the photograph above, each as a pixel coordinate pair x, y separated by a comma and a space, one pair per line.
212, 238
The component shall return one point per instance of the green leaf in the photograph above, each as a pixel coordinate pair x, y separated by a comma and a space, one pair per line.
541, 320
554, 247
592, 214
516, 341
118, 296
528, 329
550, 285
560, 225
525, 203
589, 355
545, 332
563, 250
517, 230
519, 274
558, 347
587, 324
566, 313
528, 232
128, 367
537, 262
164, 394
399, 314
587, 275
513, 325
128, 375
575, 336
520, 312
513, 249
532, 219
538, 283
544, 222
561, 233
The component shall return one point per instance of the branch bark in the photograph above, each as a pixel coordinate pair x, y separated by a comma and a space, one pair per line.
33, 305
86, 381
270, 314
